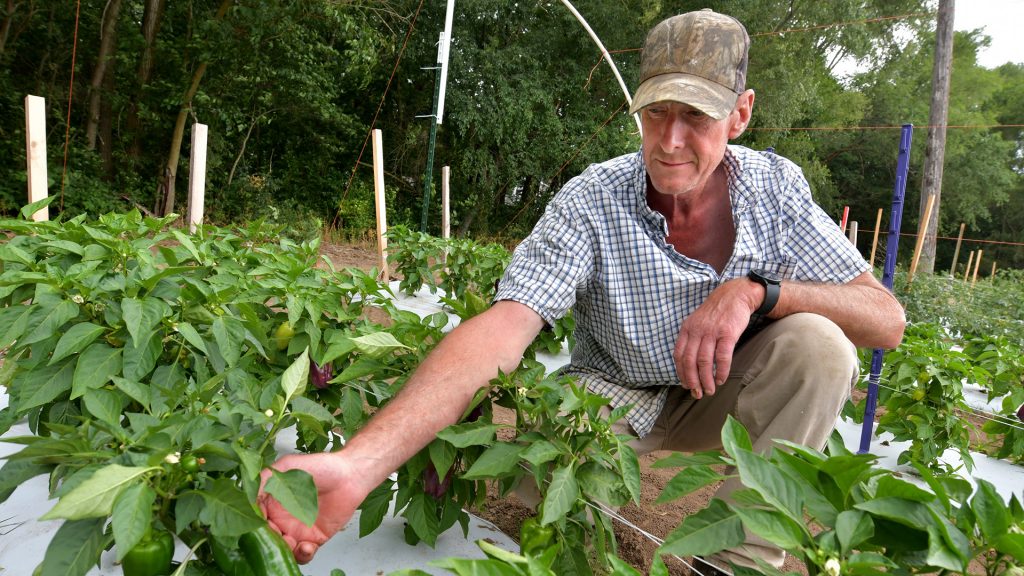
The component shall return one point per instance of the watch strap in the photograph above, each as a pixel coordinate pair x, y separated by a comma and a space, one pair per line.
772, 288
771, 298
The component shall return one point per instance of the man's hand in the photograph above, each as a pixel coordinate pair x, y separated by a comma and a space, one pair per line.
707, 338
338, 497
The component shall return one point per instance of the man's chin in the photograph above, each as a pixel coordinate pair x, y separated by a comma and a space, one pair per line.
673, 187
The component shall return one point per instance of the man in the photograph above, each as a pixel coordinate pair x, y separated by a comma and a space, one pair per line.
703, 279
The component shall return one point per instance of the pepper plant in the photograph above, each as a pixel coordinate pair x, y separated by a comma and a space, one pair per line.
999, 367
922, 396
468, 272
841, 514
923, 401
836, 511
155, 370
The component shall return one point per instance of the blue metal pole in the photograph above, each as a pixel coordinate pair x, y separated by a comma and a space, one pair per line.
902, 167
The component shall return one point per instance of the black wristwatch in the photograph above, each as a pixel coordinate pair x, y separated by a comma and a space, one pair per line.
772, 286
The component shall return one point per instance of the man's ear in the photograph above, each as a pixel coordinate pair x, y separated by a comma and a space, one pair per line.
740, 116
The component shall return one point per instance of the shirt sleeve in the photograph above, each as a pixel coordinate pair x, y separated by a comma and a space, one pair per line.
551, 264
816, 243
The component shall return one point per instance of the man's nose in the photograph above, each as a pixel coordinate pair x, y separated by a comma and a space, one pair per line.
675, 132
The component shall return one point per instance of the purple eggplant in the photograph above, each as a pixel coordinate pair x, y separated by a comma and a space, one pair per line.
434, 486
1020, 413
319, 375
475, 413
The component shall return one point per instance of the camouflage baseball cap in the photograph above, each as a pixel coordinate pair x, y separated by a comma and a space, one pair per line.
698, 58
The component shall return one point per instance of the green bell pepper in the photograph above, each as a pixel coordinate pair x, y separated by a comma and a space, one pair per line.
151, 556
534, 538
230, 560
267, 553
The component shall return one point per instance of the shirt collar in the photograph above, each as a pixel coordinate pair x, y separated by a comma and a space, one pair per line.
742, 193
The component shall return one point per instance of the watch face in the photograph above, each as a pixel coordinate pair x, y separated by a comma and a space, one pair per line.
767, 276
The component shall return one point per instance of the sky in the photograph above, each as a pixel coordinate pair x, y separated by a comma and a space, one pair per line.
1001, 19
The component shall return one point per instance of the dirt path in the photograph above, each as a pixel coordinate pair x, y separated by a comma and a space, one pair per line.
508, 513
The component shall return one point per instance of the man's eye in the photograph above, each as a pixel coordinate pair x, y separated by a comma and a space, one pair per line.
656, 112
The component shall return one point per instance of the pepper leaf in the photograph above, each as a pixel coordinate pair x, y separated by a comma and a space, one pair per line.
296, 491
75, 340
561, 495
94, 497
378, 343
95, 367
131, 516
708, 531
228, 511
75, 548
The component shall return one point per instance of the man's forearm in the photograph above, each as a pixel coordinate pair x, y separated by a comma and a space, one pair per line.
869, 314
440, 390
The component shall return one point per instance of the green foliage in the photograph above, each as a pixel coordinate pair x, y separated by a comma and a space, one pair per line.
156, 369
150, 367
865, 520
999, 367
564, 446
291, 90
965, 307
923, 397
921, 392
468, 272
416, 257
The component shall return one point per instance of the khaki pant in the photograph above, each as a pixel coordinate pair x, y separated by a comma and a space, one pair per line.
787, 382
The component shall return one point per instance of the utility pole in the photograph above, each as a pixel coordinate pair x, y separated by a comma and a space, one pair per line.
440, 82
935, 147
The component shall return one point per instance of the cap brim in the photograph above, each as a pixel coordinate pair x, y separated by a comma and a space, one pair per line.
709, 97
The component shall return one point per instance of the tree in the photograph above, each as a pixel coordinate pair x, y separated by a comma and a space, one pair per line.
291, 89
935, 149
108, 43
167, 184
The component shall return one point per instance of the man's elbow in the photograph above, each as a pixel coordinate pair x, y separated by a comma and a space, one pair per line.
892, 333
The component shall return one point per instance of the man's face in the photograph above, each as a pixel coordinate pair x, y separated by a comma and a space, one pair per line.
683, 146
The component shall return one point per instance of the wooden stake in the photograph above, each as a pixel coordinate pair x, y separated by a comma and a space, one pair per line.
921, 229
846, 214
956, 253
197, 177
977, 264
874, 241
967, 271
446, 228
992, 276
382, 214
35, 153
853, 232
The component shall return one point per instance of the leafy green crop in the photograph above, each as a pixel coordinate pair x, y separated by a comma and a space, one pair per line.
921, 393
840, 514
156, 369
150, 367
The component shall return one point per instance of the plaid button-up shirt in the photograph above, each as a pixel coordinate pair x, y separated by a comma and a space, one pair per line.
602, 251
